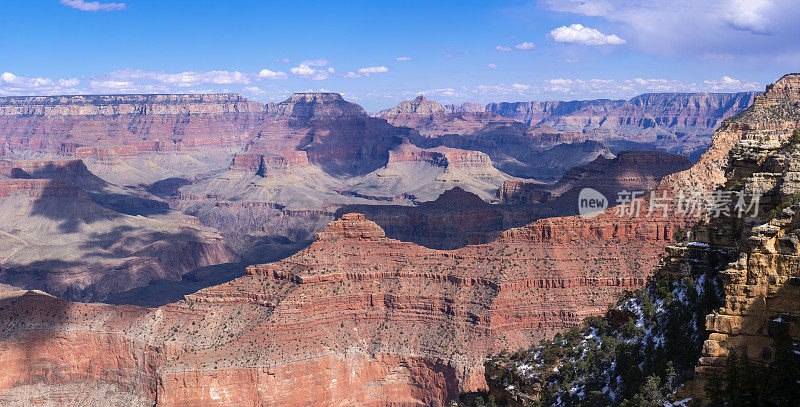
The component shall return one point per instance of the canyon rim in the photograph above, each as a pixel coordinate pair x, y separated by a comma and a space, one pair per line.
462, 204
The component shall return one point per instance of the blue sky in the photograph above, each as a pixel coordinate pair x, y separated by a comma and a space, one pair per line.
379, 53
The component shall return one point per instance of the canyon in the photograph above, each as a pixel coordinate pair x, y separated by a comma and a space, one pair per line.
66, 231
727, 323
388, 256
318, 326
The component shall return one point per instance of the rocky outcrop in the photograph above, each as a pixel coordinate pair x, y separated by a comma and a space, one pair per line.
337, 135
68, 232
720, 320
514, 147
418, 106
355, 318
762, 297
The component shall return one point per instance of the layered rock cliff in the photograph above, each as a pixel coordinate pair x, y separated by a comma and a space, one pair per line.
458, 217
674, 122
356, 318
629, 171
720, 322
539, 152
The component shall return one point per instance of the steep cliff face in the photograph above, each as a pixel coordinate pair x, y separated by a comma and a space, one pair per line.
721, 319
356, 318
337, 135
539, 152
134, 139
681, 111
432, 119
673, 122
116, 134
458, 218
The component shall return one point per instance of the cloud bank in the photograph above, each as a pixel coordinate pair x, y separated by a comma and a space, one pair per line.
93, 5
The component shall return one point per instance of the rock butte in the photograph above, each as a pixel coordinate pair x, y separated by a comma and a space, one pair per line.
354, 318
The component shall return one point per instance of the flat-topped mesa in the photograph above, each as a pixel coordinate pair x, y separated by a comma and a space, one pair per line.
439, 156
263, 164
43, 168
109, 105
307, 106
352, 226
660, 162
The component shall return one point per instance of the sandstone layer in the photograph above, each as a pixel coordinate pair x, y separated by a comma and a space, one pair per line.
679, 123
356, 318
745, 263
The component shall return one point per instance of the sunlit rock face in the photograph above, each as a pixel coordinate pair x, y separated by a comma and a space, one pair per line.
355, 310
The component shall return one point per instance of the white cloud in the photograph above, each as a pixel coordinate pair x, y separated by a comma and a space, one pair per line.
502, 48
706, 29
373, 69
267, 74
403, 59
519, 86
182, 79
11, 84
254, 90
492, 66
111, 85
93, 5
283, 60
68, 83
525, 45
577, 33
728, 84
630, 87
748, 15
352, 74
316, 62
307, 72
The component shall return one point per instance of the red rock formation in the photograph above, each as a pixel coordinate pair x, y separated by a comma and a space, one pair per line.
98, 125
432, 119
761, 123
355, 318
